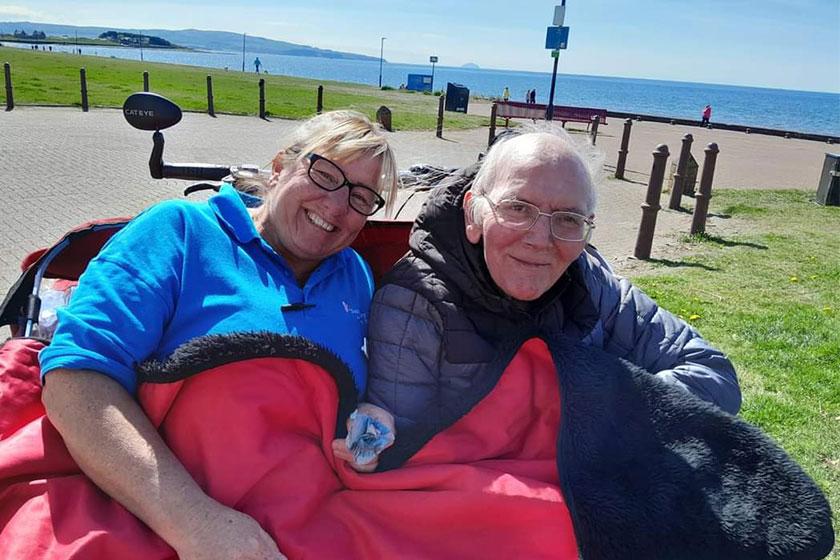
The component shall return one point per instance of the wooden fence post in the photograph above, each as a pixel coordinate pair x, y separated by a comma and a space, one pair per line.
319, 106
83, 78
210, 108
145, 80
679, 176
439, 132
492, 136
10, 99
651, 205
625, 148
593, 135
262, 98
704, 194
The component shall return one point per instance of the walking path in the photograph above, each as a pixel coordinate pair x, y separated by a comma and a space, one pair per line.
62, 167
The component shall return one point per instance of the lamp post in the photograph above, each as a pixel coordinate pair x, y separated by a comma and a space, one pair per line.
381, 50
433, 60
141, 46
243, 52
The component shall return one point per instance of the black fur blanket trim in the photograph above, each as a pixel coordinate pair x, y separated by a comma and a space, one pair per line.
211, 351
651, 471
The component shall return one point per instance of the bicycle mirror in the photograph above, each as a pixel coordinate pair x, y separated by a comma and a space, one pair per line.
150, 111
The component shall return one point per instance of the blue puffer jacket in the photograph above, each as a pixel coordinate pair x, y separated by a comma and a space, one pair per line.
441, 333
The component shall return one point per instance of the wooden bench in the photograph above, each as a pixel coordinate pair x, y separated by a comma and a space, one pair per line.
519, 110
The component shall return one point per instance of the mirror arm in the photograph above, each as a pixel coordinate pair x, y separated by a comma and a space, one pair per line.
156, 159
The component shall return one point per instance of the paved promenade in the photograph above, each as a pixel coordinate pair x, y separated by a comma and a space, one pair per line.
62, 167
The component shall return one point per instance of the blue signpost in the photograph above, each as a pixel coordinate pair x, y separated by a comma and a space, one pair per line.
556, 39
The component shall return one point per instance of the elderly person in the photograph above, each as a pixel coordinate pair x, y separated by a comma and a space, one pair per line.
503, 259
182, 270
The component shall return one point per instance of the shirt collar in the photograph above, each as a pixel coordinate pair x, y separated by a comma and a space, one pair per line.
231, 209
232, 212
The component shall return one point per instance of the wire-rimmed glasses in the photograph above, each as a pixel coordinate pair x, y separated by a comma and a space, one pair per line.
519, 215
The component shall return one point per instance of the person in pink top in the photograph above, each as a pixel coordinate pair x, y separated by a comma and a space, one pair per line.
707, 114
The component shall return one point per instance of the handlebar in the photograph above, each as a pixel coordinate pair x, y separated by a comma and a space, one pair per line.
185, 171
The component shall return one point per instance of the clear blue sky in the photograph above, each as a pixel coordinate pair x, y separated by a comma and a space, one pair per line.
791, 44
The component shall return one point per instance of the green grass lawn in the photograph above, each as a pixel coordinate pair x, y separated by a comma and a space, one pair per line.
770, 298
52, 78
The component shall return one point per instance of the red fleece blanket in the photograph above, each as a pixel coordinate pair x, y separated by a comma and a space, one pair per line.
256, 436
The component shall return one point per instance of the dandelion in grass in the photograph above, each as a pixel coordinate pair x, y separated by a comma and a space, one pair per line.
794, 279
693, 317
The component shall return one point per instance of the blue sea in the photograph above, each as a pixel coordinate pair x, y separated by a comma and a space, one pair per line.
799, 111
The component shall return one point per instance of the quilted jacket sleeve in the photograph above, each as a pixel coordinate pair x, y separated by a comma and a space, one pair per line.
404, 345
637, 329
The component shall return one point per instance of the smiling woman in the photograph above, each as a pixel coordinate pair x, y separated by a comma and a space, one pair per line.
184, 270
307, 214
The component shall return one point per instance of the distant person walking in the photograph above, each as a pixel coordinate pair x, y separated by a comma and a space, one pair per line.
506, 95
257, 64
707, 115
528, 96
533, 96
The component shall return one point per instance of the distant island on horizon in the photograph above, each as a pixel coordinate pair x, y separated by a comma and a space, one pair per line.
107, 39
189, 38
471, 66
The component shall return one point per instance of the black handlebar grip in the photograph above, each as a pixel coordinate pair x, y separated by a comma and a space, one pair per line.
195, 171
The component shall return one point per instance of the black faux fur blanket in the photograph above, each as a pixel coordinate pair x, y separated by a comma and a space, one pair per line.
650, 471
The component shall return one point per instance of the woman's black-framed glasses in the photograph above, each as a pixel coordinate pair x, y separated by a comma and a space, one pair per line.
330, 177
519, 215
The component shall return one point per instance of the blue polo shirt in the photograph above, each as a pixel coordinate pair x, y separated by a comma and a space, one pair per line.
184, 269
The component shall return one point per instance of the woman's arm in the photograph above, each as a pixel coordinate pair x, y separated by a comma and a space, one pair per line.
115, 444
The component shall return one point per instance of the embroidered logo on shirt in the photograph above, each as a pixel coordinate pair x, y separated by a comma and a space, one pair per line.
362, 317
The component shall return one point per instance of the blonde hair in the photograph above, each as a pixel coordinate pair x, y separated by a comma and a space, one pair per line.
339, 135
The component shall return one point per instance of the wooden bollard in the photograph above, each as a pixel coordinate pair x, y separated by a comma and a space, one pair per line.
625, 148
262, 98
677, 189
319, 107
211, 110
651, 205
83, 79
704, 194
439, 132
383, 117
10, 99
593, 134
492, 135
145, 81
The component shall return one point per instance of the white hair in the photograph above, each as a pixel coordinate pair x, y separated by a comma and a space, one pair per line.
543, 146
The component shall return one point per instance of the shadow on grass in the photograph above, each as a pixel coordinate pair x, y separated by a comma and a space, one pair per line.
683, 264
704, 237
